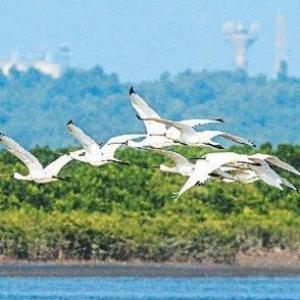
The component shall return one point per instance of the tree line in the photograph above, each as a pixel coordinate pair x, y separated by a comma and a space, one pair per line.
119, 212
35, 107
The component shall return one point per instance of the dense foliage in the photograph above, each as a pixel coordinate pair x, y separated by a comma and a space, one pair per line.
35, 108
127, 212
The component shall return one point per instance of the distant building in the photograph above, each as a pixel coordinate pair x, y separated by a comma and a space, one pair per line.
242, 39
281, 64
13, 62
43, 63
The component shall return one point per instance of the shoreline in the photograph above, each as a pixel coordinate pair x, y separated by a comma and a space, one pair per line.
82, 269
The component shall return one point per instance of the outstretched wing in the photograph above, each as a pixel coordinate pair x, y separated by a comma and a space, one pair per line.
267, 174
178, 125
87, 142
27, 158
112, 145
199, 122
176, 157
53, 168
271, 159
121, 139
145, 111
288, 184
200, 174
223, 175
202, 171
228, 136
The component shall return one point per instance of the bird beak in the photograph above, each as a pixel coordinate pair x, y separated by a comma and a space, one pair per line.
119, 143
155, 166
120, 162
220, 120
196, 158
140, 118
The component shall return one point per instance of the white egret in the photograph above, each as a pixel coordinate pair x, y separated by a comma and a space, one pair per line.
208, 164
185, 168
262, 170
92, 152
267, 174
157, 133
36, 171
189, 136
275, 161
182, 165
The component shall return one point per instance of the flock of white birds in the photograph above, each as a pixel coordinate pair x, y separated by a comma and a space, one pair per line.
161, 133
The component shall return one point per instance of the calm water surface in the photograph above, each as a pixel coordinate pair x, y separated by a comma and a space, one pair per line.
17, 288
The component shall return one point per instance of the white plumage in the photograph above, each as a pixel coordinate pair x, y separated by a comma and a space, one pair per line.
158, 135
189, 136
228, 166
182, 165
208, 164
92, 152
36, 171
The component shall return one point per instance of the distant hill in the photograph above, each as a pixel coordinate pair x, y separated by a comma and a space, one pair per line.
35, 108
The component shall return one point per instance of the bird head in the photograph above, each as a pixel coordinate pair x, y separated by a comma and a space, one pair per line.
18, 176
131, 91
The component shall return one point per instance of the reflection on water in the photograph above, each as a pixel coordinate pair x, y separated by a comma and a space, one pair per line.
18, 288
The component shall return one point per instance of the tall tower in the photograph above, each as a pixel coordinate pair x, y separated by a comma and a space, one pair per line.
281, 66
242, 39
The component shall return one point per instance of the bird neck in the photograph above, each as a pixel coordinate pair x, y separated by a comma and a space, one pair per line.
19, 176
165, 168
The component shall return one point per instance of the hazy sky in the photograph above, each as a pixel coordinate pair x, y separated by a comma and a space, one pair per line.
141, 39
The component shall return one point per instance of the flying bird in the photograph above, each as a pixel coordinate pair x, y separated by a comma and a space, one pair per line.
36, 171
267, 174
93, 152
275, 161
207, 165
157, 133
189, 136
261, 170
184, 167
240, 173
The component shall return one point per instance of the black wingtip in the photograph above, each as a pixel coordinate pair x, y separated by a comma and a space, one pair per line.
70, 122
138, 117
217, 146
131, 90
220, 120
